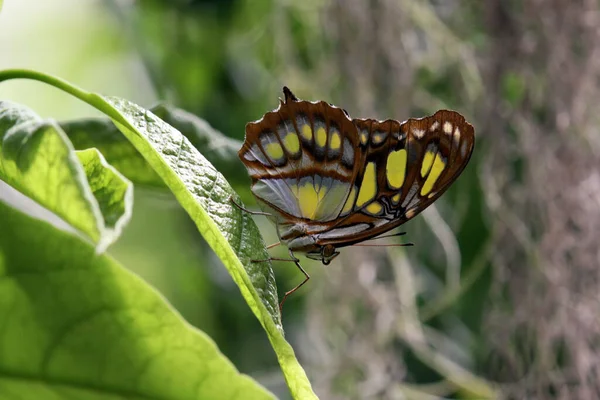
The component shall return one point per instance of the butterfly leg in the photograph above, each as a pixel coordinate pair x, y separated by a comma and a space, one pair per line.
295, 261
307, 277
248, 211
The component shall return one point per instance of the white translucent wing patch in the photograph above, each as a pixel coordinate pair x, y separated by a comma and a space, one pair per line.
277, 193
311, 197
256, 154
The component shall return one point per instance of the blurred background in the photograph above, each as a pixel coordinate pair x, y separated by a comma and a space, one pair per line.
500, 295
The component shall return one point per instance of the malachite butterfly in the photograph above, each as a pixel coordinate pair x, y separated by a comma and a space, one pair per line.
329, 181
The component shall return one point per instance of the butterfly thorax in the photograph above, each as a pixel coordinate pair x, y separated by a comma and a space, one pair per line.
298, 240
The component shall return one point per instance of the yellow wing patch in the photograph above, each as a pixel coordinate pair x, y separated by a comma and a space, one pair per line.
395, 168
427, 161
308, 199
364, 138
368, 188
378, 137
330, 198
274, 150
436, 170
321, 137
335, 142
320, 204
291, 143
306, 132
374, 208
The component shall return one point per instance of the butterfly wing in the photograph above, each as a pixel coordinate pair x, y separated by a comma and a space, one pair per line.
342, 181
406, 167
301, 158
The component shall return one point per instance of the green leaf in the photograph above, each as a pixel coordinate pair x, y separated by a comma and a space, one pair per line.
102, 134
231, 233
37, 159
219, 150
78, 325
205, 195
112, 191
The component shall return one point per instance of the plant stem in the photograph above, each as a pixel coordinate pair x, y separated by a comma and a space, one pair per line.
92, 99
50, 80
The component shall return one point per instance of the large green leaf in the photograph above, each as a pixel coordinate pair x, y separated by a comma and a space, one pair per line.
77, 325
37, 159
205, 195
232, 234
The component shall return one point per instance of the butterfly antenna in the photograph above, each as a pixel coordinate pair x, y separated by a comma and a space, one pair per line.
385, 245
389, 236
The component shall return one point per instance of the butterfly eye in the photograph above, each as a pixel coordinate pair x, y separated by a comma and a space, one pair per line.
328, 253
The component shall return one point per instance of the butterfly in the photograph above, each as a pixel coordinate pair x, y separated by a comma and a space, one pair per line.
329, 181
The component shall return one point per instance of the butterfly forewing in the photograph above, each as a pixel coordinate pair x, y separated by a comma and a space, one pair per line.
415, 162
302, 158
341, 181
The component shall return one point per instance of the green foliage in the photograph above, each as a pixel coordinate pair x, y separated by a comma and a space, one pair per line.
103, 135
37, 159
111, 191
219, 150
196, 184
200, 56
205, 195
78, 325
